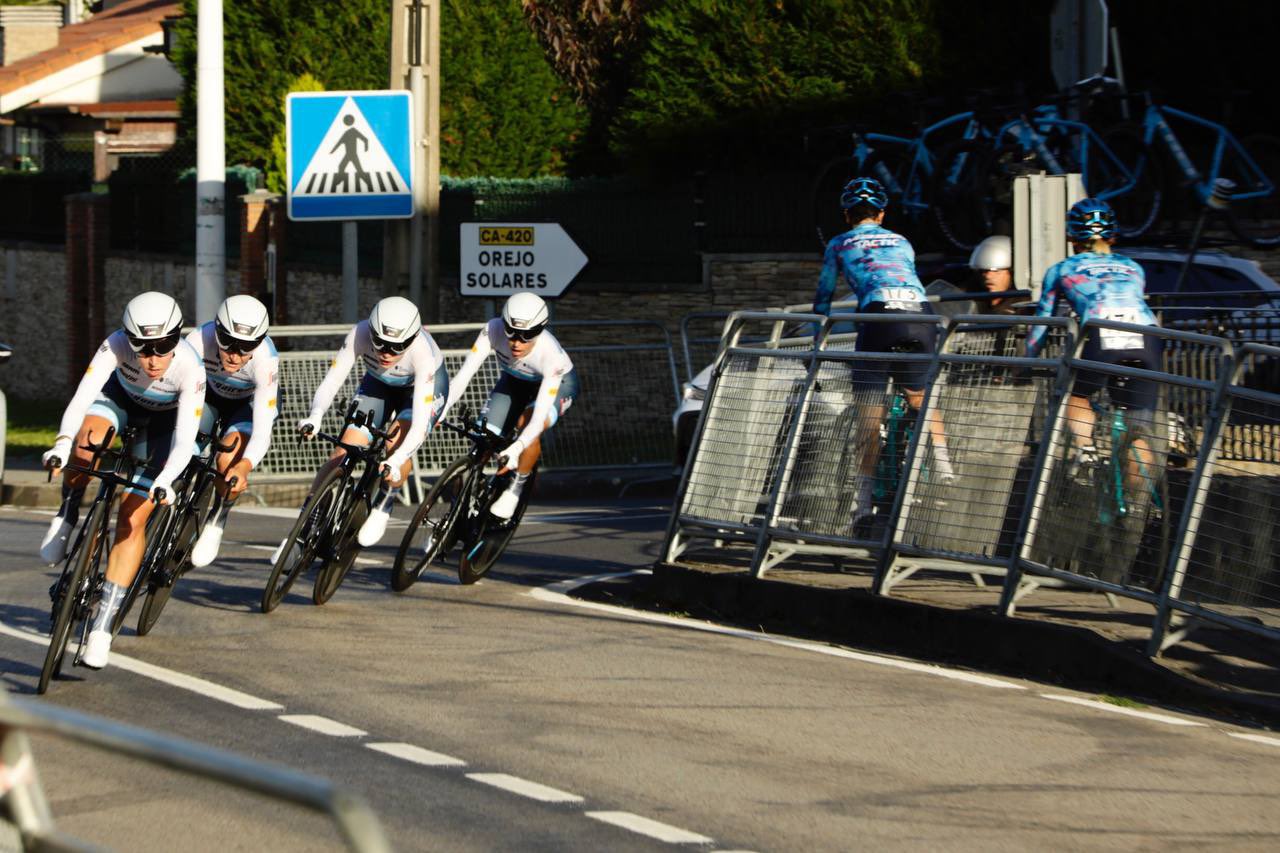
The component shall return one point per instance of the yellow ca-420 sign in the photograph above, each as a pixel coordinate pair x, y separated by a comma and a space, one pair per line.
506, 236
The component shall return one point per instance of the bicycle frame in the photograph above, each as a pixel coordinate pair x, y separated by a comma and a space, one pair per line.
909, 192
1155, 123
1035, 133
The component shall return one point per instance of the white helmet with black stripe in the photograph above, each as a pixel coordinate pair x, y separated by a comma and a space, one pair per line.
524, 316
241, 322
394, 323
152, 320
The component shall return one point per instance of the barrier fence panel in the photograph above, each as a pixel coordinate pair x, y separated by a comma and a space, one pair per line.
1228, 568
1110, 490
992, 404
726, 487
853, 444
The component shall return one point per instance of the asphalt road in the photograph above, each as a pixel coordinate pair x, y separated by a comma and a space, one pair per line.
508, 715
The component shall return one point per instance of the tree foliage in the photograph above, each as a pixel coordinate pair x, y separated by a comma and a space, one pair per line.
503, 111
707, 65
589, 42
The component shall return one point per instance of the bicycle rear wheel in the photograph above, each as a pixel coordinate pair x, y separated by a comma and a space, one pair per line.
160, 586
1138, 208
73, 578
345, 549
430, 534
492, 537
299, 547
157, 524
1257, 221
969, 192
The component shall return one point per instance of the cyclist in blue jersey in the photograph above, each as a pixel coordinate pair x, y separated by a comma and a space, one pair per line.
879, 266
1098, 284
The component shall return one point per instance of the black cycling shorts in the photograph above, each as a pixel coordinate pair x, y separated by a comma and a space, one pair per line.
894, 336
1130, 393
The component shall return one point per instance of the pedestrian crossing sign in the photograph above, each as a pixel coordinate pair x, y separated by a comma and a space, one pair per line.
349, 155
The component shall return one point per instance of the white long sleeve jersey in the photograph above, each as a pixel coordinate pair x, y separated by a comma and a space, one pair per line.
181, 386
547, 363
418, 367
258, 378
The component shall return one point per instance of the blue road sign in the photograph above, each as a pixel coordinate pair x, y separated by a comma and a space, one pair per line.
349, 155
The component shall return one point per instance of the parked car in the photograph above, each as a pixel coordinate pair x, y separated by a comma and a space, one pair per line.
684, 421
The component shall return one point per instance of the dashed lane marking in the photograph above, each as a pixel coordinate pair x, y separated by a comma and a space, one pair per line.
651, 828
323, 725
1120, 709
525, 788
1269, 741
557, 593
168, 676
417, 754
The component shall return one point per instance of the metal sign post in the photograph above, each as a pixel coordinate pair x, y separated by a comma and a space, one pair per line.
1040, 204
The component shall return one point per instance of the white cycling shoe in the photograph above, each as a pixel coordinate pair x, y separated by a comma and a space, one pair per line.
206, 549
505, 506
54, 545
97, 650
374, 526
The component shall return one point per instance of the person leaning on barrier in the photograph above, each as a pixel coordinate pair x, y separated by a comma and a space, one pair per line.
879, 267
1098, 284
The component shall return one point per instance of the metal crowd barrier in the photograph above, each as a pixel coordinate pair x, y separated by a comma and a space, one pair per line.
621, 418
25, 815
1150, 505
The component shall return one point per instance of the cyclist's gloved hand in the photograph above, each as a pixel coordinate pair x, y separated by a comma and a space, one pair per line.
510, 455
390, 471
59, 455
308, 428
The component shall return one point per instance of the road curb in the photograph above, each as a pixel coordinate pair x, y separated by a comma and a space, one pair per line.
1072, 655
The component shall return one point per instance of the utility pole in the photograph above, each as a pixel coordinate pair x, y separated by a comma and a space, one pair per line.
211, 164
411, 252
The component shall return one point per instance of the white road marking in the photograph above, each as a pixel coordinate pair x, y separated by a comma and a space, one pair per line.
556, 593
159, 673
1269, 741
566, 518
525, 788
363, 561
1120, 709
417, 754
323, 725
652, 828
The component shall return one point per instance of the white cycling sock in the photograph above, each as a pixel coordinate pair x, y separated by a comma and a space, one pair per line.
942, 460
108, 604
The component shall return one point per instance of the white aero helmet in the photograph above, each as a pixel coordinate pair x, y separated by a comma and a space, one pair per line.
394, 323
153, 323
241, 323
524, 316
993, 253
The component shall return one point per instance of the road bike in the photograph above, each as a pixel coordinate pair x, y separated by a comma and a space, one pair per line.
456, 513
1250, 167
172, 532
84, 569
327, 525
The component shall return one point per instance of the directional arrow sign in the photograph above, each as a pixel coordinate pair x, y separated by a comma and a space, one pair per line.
502, 258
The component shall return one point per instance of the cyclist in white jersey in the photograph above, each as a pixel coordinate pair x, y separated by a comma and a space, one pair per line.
405, 384
144, 375
243, 372
538, 384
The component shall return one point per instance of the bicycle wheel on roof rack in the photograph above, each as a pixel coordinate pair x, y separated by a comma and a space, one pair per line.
972, 190
1256, 221
826, 219
1138, 208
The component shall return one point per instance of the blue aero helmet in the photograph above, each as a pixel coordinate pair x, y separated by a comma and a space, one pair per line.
866, 191
1090, 218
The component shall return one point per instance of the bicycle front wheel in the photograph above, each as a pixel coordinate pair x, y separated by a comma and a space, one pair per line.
1256, 221
299, 548
157, 526
345, 549
430, 533
492, 537
968, 192
161, 584
73, 578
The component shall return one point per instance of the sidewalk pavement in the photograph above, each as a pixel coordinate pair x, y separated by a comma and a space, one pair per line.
1074, 637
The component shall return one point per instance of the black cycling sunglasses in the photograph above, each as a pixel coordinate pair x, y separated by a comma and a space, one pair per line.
384, 345
233, 344
525, 335
155, 346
